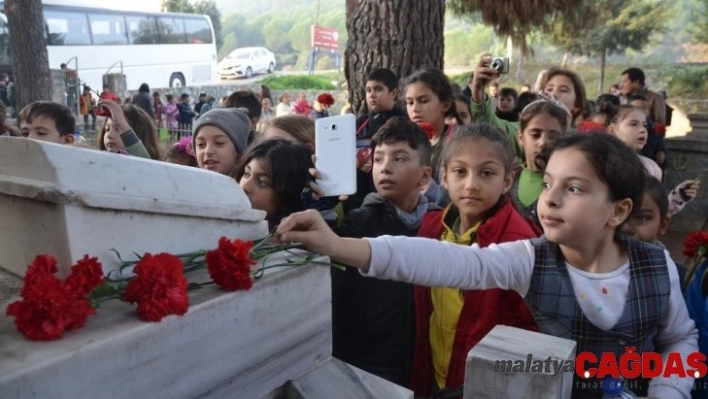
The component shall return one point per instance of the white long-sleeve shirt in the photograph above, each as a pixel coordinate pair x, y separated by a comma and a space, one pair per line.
510, 266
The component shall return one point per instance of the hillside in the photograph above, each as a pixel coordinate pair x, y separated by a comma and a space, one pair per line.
283, 26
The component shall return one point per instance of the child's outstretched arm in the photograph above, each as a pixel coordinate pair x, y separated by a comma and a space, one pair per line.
417, 260
310, 229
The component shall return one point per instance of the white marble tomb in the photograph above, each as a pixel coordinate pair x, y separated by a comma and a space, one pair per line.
273, 341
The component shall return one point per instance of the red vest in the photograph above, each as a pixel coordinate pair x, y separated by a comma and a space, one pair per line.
481, 310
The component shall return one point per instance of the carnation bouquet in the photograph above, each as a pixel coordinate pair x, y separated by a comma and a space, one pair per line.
157, 284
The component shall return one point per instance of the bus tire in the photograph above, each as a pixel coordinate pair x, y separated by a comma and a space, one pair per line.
249, 73
176, 80
271, 68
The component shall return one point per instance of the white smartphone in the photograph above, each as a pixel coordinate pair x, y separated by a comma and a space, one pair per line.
335, 148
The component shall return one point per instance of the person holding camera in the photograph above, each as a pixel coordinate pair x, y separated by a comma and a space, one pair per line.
482, 108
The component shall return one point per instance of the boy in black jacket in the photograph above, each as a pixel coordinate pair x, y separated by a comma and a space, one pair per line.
373, 320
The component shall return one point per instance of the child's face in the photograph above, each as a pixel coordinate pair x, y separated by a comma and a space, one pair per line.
111, 139
43, 128
541, 130
423, 105
257, 183
398, 174
574, 207
562, 89
632, 130
493, 90
378, 97
647, 225
506, 103
464, 112
215, 151
476, 179
265, 103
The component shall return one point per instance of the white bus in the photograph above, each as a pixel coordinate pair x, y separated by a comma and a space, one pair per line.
160, 49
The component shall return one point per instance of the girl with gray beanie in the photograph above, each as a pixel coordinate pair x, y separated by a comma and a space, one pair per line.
220, 137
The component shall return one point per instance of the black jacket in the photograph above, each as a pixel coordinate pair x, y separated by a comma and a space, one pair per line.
373, 121
373, 321
144, 101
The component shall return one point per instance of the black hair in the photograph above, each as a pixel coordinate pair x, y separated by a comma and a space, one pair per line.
637, 97
549, 108
658, 193
183, 96
265, 93
288, 165
482, 131
508, 92
634, 75
608, 98
169, 97
440, 85
402, 130
622, 112
463, 98
245, 99
144, 88
385, 76
61, 115
524, 100
614, 163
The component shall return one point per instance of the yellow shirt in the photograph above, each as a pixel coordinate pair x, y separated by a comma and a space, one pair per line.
447, 306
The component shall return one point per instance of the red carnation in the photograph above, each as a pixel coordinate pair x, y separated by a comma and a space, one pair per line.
48, 306
696, 244
428, 129
86, 275
326, 100
230, 264
160, 287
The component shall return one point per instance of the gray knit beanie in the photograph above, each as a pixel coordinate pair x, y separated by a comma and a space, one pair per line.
233, 121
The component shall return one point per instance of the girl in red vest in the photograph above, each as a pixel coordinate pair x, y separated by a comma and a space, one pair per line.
478, 170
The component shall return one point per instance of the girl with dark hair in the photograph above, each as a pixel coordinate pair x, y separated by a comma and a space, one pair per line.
273, 175
430, 99
583, 280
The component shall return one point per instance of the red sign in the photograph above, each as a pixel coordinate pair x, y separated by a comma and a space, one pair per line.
325, 38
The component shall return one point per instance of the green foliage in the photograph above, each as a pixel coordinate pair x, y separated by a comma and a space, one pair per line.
699, 21
687, 82
621, 25
465, 46
204, 7
298, 82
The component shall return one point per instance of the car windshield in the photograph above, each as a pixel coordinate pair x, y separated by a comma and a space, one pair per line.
239, 55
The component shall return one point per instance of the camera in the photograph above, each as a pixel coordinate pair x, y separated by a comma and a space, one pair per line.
501, 64
102, 111
333, 127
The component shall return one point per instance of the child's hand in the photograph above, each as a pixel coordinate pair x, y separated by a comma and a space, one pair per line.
316, 190
116, 114
483, 75
310, 229
689, 189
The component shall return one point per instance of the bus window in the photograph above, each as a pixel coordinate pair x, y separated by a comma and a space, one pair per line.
66, 28
143, 30
108, 29
171, 30
198, 30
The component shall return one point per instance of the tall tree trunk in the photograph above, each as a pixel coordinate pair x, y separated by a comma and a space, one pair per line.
402, 35
30, 62
566, 56
603, 60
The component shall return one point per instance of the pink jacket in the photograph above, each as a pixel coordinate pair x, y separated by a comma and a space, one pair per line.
171, 112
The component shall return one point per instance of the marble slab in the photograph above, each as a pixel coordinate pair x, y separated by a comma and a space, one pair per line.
72, 201
485, 377
229, 345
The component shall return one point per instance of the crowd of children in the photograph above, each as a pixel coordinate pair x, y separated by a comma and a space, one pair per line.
472, 210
